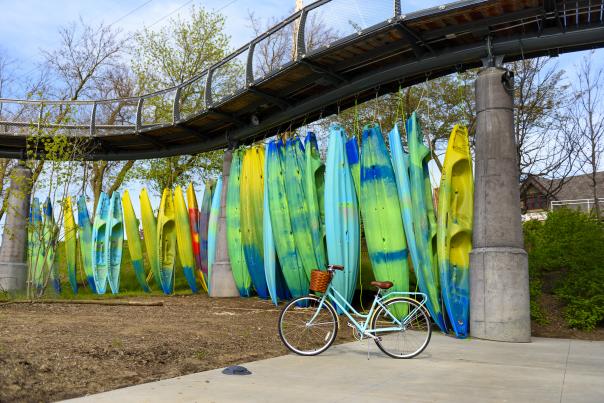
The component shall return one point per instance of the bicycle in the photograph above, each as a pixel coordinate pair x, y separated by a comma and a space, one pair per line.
309, 325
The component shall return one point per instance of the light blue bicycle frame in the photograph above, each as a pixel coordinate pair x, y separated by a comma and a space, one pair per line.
339, 301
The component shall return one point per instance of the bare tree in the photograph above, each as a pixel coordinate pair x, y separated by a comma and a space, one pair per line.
545, 145
88, 64
587, 110
281, 47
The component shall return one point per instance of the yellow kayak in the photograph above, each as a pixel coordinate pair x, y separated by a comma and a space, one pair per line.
454, 234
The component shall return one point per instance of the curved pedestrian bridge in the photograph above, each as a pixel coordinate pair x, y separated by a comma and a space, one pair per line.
253, 93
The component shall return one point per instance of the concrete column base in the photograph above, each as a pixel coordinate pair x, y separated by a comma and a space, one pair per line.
222, 281
223, 284
13, 276
13, 251
500, 308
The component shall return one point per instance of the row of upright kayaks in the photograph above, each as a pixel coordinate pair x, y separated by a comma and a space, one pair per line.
175, 231
287, 213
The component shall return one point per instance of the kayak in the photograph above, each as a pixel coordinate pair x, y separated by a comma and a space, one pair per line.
400, 163
85, 241
421, 198
70, 242
204, 220
100, 266
291, 264
315, 196
36, 250
135, 248
342, 221
252, 200
183, 239
149, 222
115, 242
381, 212
277, 287
242, 278
454, 234
195, 233
50, 232
213, 229
299, 214
166, 242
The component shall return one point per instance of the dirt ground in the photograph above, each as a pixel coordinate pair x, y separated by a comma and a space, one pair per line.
56, 351
556, 326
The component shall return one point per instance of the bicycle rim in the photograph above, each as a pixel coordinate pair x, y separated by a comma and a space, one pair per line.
406, 340
302, 331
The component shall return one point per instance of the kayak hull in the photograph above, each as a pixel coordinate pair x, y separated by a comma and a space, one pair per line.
454, 236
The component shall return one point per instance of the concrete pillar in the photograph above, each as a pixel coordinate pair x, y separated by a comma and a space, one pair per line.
13, 252
499, 287
222, 282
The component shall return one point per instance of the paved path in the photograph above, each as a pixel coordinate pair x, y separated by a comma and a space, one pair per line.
546, 370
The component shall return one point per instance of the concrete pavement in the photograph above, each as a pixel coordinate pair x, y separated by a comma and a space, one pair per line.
449, 370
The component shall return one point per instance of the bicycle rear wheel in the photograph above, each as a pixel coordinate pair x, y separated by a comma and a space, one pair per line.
409, 338
305, 329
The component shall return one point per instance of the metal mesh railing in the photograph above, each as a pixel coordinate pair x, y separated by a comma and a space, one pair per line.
314, 27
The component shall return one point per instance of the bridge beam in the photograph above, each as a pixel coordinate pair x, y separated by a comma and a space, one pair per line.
222, 283
499, 284
13, 252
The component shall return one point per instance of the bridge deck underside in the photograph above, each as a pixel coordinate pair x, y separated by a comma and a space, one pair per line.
401, 51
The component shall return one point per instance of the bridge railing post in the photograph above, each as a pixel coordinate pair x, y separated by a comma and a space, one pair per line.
40, 113
300, 37
93, 119
176, 106
397, 8
249, 67
207, 96
139, 113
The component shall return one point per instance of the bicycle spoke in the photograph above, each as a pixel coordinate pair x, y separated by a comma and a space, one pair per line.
404, 341
304, 330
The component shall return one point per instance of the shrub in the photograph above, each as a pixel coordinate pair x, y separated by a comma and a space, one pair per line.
532, 229
573, 243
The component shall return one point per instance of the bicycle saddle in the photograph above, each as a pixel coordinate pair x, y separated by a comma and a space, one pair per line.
384, 285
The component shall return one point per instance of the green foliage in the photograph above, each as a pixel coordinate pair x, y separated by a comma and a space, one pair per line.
162, 59
165, 173
532, 229
571, 243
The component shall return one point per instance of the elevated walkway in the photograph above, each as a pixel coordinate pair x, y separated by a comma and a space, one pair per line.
245, 97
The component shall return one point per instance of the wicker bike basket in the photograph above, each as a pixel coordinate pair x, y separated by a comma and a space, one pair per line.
319, 280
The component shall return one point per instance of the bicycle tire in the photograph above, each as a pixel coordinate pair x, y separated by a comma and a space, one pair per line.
300, 319
420, 325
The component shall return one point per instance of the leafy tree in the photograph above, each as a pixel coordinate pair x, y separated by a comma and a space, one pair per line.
440, 103
181, 50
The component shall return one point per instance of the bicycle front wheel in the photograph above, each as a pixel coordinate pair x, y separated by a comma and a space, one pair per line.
403, 328
306, 327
